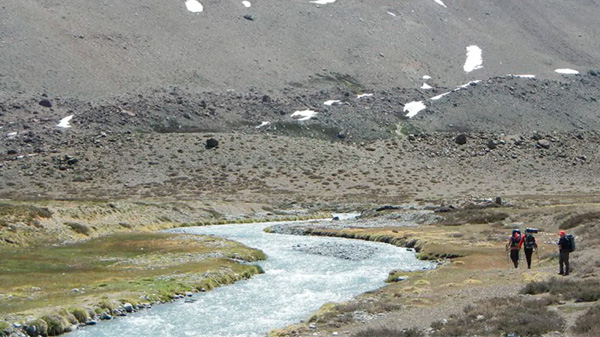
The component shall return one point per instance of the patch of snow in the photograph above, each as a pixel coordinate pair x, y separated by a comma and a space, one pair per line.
523, 76
363, 95
474, 59
464, 86
322, 2
346, 216
426, 77
246, 4
64, 123
413, 108
303, 115
435, 98
194, 6
392, 14
11, 135
439, 2
567, 71
426, 86
263, 124
332, 102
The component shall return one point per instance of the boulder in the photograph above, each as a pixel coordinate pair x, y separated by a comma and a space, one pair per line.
211, 143
46, 103
544, 143
461, 139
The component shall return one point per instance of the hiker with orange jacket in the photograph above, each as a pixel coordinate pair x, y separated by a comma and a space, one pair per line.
514, 245
564, 248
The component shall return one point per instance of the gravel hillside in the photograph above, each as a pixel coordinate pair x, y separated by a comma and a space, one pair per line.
118, 99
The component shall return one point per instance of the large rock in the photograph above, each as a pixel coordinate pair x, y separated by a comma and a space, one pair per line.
211, 143
544, 143
46, 103
461, 139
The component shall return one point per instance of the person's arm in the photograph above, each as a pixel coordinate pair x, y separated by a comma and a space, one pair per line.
521, 241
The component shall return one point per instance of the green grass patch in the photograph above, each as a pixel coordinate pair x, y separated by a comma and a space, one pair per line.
124, 265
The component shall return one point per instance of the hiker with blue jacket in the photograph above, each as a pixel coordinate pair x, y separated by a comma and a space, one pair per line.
514, 245
564, 248
529, 244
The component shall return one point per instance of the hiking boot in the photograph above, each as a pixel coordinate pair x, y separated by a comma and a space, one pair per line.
561, 273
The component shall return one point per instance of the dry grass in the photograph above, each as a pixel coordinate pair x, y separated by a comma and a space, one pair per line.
121, 266
500, 317
579, 219
587, 290
588, 324
388, 332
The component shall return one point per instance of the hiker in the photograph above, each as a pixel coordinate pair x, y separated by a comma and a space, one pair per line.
514, 245
564, 248
529, 244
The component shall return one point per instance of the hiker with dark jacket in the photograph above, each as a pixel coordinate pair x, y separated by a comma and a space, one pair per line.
529, 245
564, 248
514, 246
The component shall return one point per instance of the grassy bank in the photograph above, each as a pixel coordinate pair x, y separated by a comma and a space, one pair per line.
95, 277
69, 262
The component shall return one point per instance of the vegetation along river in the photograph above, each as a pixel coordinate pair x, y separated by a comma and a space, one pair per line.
301, 274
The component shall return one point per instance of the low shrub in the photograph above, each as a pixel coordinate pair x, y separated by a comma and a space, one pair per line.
472, 216
388, 332
579, 219
56, 324
80, 314
78, 228
589, 322
24, 211
502, 316
4, 326
587, 290
37, 327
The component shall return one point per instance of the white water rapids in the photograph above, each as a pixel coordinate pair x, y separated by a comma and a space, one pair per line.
295, 285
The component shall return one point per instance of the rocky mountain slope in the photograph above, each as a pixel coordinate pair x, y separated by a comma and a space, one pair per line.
306, 100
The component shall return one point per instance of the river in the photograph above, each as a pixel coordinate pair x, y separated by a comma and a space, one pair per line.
301, 274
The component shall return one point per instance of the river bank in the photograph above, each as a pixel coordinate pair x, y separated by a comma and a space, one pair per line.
466, 236
71, 263
476, 291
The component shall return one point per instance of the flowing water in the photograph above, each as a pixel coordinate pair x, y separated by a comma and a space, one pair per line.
296, 283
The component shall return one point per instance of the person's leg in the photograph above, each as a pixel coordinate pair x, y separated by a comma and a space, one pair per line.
528, 253
514, 256
567, 267
561, 262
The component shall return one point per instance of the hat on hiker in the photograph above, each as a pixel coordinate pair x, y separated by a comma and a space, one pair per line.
561, 233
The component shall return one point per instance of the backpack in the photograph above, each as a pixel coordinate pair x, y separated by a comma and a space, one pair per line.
530, 242
571, 239
514, 242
